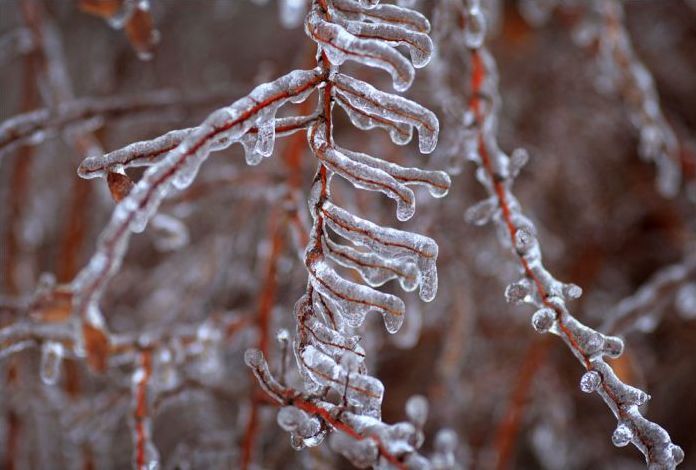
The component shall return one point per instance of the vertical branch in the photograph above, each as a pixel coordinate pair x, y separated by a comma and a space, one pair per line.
264, 318
144, 455
537, 286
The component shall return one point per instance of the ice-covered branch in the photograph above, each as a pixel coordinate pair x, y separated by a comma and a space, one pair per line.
621, 72
35, 127
537, 287
644, 309
178, 170
364, 440
327, 351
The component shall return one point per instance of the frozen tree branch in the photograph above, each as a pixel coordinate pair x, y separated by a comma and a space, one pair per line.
537, 287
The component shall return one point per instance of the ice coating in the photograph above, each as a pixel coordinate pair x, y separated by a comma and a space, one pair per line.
340, 45
366, 98
537, 286
388, 242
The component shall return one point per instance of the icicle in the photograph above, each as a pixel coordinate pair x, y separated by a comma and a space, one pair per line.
340, 45
364, 97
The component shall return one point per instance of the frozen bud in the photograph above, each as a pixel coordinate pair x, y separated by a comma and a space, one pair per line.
309, 426
289, 418
417, 410
685, 302
572, 291
446, 441
613, 346
517, 292
593, 342
481, 212
677, 454
543, 319
51, 360
283, 336
622, 435
518, 160
641, 398
254, 358
166, 376
524, 240
590, 381
475, 30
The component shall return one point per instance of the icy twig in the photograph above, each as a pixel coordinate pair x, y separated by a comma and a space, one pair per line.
537, 287
644, 308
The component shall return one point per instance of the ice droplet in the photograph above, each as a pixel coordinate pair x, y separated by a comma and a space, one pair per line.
481, 212
677, 454
524, 240
417, 410
572, 291
543, 319
517, 292
622, 435
590, 381
613, 346
253, 358
475, 31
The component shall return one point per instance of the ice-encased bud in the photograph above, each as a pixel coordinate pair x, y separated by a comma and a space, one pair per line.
543, 319
475, 30
677, 454
417, 410
641, 398
481, 212
518, 159
166, 375
622, 435
51, 360
613, 346
524, 240
517, 292
572, 291
446, 441
254, 358
590, 381
289, 418
593, 342
283, 336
